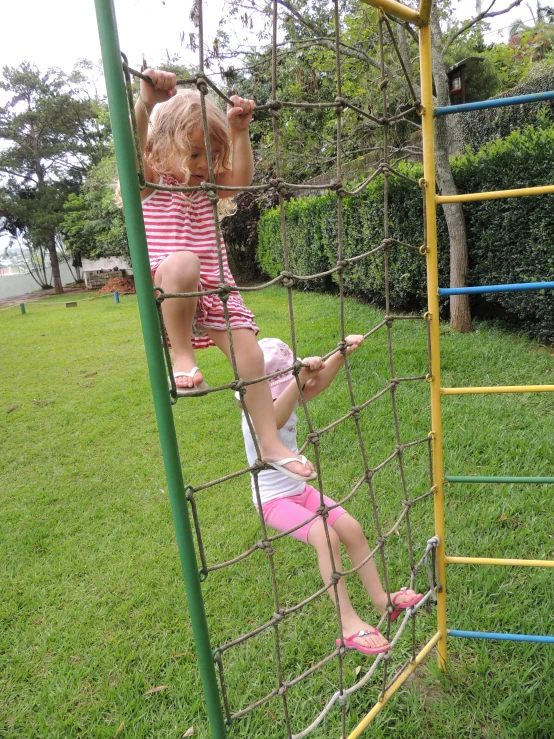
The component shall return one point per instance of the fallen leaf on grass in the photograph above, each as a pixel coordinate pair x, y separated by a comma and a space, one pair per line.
176, 655
358, 670
43, 402
156, 690
90, 374
12, 408
188, 732
119, 728
85, 384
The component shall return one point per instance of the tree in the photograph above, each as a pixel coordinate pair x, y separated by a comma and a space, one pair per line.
307, 50
52, 130
93, 224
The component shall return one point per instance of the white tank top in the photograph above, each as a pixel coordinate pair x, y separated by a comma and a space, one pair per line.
272, 483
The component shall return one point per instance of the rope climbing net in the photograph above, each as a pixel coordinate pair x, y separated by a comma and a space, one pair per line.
422, 561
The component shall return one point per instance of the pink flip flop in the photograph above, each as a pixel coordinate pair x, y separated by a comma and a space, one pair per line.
399, 607
351, 644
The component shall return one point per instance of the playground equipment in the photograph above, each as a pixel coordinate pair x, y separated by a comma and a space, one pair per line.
433, 559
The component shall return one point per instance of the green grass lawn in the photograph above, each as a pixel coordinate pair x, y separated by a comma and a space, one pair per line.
93, 611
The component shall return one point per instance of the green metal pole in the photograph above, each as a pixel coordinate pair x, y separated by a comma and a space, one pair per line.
125, 155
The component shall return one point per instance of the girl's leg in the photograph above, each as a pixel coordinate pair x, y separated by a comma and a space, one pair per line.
179, 273
250, 364
351, 622
351, 534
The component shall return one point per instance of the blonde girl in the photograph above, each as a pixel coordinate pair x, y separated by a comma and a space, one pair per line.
182, 247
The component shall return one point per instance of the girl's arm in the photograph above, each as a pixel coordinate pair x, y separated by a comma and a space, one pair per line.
314, 378
286, 402
242, 167
162, 89
327, 374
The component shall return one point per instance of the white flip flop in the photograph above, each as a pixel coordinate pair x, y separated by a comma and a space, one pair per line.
188, 390
280, 467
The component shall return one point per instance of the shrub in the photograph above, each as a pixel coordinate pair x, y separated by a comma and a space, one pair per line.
509, 240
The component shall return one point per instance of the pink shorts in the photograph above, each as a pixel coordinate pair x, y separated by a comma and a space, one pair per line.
284, 513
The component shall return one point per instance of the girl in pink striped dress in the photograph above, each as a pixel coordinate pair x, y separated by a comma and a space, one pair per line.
182, 245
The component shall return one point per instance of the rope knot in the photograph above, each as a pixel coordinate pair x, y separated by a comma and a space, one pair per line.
381, 541
287, 279
282, 189
355, 411
275, 108
369, 475
322, 511
384, 84
399, 451
314, 438
224, 290
275, 182
297, 366
282, 689
342, 346
341, 264
340, 104
258, 465
335, 578
266, 547
239, 385
277, 617
201, 84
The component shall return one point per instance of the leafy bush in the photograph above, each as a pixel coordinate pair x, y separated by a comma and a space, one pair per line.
312, 235
509, 240
512, 240
481, 126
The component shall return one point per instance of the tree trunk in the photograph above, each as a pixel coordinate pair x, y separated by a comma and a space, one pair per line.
460, 313
56, 277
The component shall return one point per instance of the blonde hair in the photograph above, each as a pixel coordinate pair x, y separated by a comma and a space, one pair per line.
172, 124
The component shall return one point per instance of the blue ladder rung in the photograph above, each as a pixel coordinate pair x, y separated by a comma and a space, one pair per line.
496, 288
496, 103
503, 637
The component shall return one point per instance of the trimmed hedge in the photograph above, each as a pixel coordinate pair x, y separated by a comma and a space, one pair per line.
479, 127
312, 240
509, 240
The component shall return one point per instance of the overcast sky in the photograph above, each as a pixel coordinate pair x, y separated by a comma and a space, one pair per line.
56, 33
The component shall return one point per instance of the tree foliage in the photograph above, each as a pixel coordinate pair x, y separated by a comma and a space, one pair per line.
93, 224
52, 130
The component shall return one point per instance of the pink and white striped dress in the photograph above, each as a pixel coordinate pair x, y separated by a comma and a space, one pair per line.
174, 222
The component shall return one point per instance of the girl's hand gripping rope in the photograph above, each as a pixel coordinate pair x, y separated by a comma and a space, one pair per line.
161, 89
240, 114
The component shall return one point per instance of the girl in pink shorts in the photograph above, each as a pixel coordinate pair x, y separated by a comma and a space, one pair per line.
288, 503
